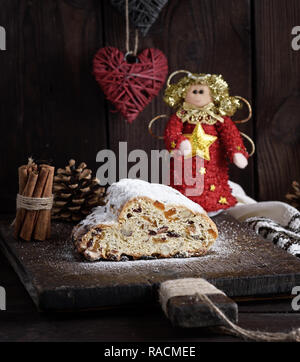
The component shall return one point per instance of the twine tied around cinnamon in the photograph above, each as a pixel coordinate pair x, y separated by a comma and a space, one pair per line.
200, 288
34, 203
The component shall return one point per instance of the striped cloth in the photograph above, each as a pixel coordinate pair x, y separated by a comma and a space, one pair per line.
286, 237
273, 220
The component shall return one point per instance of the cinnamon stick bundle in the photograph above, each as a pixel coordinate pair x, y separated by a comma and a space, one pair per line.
34, 221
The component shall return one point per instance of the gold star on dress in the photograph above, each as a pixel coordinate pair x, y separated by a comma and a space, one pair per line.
173, 145
201, 142
223, 200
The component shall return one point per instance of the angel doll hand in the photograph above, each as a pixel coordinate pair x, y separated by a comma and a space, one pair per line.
240, 160
185, 148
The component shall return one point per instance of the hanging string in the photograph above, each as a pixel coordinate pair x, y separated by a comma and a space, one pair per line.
258, 336
136, 43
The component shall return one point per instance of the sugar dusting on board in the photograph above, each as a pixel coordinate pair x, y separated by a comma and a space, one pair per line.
66, 259
218, 250
64, 263
241, 263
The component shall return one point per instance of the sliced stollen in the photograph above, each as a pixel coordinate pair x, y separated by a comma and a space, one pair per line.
141, 220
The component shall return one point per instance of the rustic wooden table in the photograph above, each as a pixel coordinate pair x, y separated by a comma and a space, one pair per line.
22, 322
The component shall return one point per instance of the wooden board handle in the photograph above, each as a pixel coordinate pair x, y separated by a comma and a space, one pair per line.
181, 302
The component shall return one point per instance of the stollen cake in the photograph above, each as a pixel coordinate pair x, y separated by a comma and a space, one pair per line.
144, 220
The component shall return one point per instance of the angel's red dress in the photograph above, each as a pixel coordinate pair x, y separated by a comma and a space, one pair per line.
217, 193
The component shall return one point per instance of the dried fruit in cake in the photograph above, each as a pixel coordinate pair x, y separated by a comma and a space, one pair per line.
144, 220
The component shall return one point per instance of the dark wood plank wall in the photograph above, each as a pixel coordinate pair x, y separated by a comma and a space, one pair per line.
277, 92
52, 108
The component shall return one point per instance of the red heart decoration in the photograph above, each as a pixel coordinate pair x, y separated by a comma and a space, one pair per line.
130, 86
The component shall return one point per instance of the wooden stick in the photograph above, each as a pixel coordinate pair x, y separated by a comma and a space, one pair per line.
43, 224
23, 177
20, 213
28, 191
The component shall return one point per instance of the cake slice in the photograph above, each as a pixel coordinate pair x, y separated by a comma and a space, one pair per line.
141, 220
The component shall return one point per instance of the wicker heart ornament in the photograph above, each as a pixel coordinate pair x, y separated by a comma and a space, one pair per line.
130, 86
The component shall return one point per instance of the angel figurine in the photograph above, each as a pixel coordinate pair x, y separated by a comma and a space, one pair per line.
202, 127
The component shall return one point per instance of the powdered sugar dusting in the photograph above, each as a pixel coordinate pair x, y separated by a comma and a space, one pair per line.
219, 250
236, 260
119, 193
67, 259
127, 189
101, 215
237, 251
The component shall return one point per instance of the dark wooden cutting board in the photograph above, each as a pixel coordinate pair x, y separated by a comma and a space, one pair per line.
241, 264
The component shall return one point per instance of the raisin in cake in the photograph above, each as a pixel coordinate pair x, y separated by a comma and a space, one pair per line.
144, 220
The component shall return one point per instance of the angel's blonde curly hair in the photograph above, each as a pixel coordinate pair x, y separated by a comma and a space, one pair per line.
224, 104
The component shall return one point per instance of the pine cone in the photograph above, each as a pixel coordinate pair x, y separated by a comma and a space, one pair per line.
76, 193
294, 196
